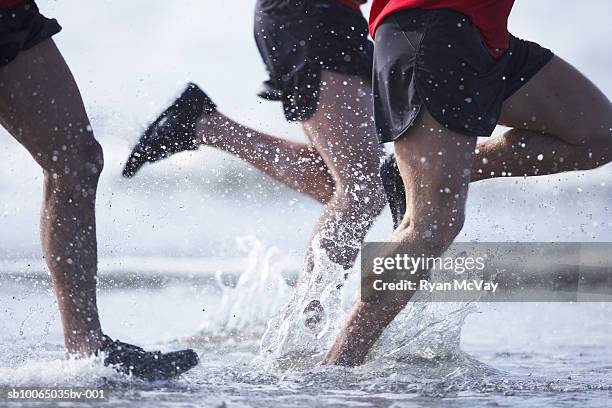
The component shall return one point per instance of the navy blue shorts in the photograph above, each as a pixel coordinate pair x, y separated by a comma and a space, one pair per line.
437, 59
297, 39
22, 27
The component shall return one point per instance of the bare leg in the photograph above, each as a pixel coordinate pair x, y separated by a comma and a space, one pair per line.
343, 133
436, 190
297, 165
40, 105
561, 122
340, 169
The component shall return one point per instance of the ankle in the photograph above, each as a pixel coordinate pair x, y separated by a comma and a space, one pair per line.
83, 343
208, 129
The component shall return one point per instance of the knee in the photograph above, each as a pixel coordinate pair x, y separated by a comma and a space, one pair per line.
78, 163
596, 145
595, 135
375, 198
433, 234
605, 147
365, 195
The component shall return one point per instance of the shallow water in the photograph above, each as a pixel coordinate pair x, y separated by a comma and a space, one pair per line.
503, 354
512, 354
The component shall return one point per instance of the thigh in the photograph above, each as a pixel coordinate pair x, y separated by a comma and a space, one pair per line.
435, 164
41, 106
342, 129
561, 102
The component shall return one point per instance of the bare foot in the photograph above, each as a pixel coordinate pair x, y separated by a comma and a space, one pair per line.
363, 327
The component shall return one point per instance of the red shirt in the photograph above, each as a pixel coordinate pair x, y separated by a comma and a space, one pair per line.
489, 16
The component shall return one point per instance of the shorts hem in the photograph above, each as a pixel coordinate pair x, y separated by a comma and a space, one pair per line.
56, 29
419, 110
529, 75
400, 133
301, 112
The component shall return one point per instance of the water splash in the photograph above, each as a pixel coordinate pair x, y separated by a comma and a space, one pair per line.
258, 294
59, 372
424, 330
427, 328
292, 340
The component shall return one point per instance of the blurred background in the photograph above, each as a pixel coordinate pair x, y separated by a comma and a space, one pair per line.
130, 58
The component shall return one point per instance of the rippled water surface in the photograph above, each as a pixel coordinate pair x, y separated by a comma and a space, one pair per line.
504, 354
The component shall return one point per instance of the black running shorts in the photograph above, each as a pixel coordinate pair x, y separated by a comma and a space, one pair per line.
299, 38
22, 27
437, 59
